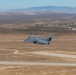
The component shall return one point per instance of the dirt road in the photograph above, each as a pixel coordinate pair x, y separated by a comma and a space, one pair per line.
37, 63
54, 54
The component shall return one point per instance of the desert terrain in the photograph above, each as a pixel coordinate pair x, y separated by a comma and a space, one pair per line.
20, 58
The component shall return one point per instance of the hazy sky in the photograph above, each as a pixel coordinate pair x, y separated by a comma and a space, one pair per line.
18, 4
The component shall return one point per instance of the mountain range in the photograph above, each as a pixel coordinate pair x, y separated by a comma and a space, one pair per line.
57, 9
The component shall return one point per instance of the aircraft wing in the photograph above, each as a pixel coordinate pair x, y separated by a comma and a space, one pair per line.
31, 40
39, 41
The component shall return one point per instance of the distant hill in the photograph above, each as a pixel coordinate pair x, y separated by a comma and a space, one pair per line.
57, 9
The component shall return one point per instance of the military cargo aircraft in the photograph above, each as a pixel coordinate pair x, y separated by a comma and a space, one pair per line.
38, 40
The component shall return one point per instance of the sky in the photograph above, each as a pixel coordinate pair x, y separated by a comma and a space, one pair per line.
21, 4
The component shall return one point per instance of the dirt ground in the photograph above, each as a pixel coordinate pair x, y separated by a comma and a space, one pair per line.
37, 70
13, 48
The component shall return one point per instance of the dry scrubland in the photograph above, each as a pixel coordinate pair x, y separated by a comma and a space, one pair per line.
13, 48
37, 70
14, 28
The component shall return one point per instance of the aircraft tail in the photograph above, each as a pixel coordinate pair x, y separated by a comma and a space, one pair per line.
49, 39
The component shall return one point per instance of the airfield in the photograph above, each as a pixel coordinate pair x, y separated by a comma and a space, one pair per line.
19, 58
